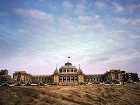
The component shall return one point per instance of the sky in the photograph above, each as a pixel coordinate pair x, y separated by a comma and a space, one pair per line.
37, 36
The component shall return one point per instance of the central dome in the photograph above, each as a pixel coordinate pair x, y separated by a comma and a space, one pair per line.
68, 64
68, 68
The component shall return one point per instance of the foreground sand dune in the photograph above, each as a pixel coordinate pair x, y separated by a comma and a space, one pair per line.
128, 94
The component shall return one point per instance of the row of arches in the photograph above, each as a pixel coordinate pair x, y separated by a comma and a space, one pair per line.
68, 70
68, 78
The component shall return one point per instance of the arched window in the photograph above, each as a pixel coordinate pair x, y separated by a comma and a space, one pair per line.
64, 78
60, 70
76, 78
72, 78
68, 78
60, 79
71, 70
75, 70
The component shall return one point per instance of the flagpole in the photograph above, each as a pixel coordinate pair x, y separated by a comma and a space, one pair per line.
68, 58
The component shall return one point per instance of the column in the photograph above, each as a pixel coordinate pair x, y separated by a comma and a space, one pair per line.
70, 79
66, 76
62, 79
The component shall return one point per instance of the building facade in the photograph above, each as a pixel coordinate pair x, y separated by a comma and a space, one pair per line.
131, 77
46, 79
22, 77
4, 77
70, 75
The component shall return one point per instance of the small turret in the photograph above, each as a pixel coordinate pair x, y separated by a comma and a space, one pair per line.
56, 71
80, 71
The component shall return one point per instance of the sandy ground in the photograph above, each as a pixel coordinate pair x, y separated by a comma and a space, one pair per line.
128, 94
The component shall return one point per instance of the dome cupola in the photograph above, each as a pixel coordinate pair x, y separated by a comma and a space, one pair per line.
68, 64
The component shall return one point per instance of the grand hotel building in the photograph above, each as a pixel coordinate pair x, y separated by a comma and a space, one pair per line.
70, 75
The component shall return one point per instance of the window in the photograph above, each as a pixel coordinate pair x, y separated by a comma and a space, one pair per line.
72, 78
68, 78
76, 78
75, 70
60, 79
64, 78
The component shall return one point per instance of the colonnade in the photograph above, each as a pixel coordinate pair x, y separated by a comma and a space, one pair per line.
68, 79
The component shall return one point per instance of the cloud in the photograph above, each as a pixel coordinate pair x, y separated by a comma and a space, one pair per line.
133, 7
117, 7
136, 22
99, 59
84, 24
123, 35
100, 5
127, 21
122, 21
118, 33
115, 52
2, 40
35, 14
99, 27
67, 23
80, 8
67, 5
89, 19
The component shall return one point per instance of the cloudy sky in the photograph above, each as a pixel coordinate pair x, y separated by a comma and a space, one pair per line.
38, 35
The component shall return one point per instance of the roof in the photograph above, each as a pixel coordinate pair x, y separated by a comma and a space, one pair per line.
68, 67
68, 64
